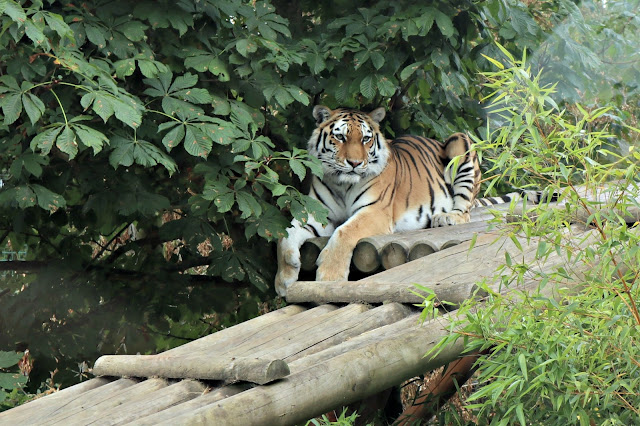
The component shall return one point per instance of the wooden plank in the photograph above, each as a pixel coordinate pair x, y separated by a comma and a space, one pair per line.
451, 282
91, 411
375, 292
228, 369
151, 403
319, 340
47, 414
355, 342
335, 330
238, 332
275, 334
457, 266
371, 364
24, 413
390, 250
362, 372
207, 398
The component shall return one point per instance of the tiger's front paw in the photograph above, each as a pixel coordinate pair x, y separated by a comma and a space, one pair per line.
288, 267
332, 267
448, 219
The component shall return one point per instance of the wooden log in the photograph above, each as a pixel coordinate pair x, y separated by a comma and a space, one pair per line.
88, 412
356, 342
240, 331
23, 413
310, 251
58, 412
281, 333
422, 249
376, 291
335, 331
366, 255
207, 398
365, 371
630, 215
391, 250
450, 282
228, 369
394, 254
154, 402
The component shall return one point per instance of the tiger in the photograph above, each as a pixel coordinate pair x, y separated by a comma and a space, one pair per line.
373, 186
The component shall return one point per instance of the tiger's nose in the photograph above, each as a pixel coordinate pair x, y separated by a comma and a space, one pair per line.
354, 163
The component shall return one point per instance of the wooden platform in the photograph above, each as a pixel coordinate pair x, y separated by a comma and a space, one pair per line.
336, 344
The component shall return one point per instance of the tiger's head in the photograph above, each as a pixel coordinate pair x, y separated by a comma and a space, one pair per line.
349, 143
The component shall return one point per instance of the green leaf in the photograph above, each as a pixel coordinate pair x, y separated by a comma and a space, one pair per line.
149, 155
184, 81
14, 11
96, 35
174, 137
523, 366
91, 137
222, 197
11, 107
57, 24
125, 111
197, 143
34, 32
246, 46
44, 141
208, 62
122, 155
386, 87
33, 163
33, 106
9, 359
377, 59
25, 197
124, 68
47, 199
248, 205
67, 143
368, 87
298, 94
298, 168
444, 24
133, 30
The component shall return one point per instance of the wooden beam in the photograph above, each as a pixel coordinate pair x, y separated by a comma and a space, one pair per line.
390, 250
228, 369
245, 330
375, 291
24, 414
367, 370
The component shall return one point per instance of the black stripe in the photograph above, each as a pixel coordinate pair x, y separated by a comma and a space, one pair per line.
313, 229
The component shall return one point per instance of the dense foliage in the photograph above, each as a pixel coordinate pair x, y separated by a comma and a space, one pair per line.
151, 151
566, 350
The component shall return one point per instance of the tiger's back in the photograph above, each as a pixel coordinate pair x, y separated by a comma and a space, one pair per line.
420, 186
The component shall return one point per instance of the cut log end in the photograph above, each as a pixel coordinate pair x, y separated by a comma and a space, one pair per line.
310, 251
394, 254
365, 256
421, 250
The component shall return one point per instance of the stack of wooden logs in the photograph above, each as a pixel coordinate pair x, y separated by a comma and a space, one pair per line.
388, 251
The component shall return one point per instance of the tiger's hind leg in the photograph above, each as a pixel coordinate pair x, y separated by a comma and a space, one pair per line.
462, 177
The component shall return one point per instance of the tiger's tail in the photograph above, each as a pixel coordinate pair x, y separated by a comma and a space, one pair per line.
532, 196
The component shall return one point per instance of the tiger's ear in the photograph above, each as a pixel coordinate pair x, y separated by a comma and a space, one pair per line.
321, 113
377, 114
